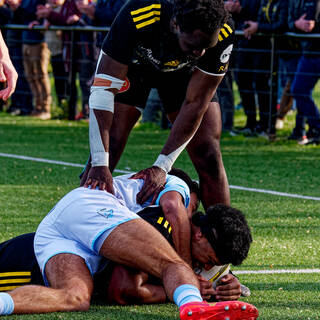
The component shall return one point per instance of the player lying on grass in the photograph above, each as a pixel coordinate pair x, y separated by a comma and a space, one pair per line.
87, 226
116, 283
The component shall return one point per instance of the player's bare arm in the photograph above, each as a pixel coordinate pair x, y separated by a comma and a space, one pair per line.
8, 73
130, 286
107, 82
200, 91
176, 213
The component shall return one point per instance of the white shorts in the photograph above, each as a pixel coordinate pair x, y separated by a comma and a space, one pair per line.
76, 224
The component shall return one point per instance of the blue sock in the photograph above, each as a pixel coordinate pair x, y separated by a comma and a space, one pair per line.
6, 304
186, 293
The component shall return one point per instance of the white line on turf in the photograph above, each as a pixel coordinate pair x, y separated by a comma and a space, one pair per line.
276, 271
70, 164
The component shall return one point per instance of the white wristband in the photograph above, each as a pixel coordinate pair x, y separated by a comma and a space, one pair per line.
100, 159
164, 162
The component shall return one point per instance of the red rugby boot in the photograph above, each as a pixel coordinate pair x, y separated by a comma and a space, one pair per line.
227, 310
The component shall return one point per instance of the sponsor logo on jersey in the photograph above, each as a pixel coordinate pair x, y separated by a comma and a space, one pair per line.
173, 63
107, 213
225, 56
147, 15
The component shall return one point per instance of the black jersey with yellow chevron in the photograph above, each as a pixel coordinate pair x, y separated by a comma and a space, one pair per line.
18, 264
141, 34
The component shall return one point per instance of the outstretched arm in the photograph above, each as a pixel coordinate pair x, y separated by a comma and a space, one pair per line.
176, 213
8, 73
200, 91
108, 80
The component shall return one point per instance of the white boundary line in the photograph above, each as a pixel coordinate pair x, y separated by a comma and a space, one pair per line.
70, 164
281, 271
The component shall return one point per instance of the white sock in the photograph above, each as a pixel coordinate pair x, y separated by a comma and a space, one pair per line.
6, 304
186, 293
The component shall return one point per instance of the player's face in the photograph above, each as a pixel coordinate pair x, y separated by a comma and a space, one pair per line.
195, 44
203, 255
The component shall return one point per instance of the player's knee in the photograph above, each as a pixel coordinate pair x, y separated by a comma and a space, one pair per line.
78, 300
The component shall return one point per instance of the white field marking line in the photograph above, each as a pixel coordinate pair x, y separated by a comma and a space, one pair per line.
63, 163
296, 271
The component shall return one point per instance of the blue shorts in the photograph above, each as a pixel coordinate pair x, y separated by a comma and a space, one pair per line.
77, 223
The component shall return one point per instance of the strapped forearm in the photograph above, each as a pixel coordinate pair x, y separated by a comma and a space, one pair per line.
101, 103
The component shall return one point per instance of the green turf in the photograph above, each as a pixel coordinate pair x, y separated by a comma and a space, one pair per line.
285, 230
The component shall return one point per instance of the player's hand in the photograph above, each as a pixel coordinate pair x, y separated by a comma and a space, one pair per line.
228, 288
9, 75
154, 181
206, 288
100, 177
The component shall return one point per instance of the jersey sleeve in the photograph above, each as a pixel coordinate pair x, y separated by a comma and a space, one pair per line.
120, 40
174, 183
216, 59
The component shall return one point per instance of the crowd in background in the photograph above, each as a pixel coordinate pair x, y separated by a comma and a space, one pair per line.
271, 84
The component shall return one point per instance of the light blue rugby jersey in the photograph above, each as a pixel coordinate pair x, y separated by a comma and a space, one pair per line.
127, 189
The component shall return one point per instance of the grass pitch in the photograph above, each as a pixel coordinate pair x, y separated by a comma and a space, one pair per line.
286, 230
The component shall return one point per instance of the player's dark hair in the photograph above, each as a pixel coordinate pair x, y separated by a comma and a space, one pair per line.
206, 15
193, 185
227, 231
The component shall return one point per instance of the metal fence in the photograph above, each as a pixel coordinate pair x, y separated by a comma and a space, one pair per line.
272, 54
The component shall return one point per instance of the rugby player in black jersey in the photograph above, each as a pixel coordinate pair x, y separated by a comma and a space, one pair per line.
122, 285
210, 245
182, 48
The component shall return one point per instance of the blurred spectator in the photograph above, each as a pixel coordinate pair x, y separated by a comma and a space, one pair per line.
304, 17
288, 62
54, 41
36, 58
246, 59
21, 100
102, 14
83, 59
272, 18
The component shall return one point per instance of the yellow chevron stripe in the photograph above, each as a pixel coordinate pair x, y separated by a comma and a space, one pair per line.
146, 23
160, 220
166, 224
224, 32
18, 280
152, 6
8, 288
15, 274
220, 37
147, 15
228, 28
169, 230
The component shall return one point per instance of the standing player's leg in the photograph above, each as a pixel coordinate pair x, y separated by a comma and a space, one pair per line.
71, 288
204, 151
124, 119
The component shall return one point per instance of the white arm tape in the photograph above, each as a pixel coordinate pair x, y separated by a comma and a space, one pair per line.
165, 162
99, 156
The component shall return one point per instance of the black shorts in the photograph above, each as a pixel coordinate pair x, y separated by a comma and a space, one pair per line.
171, 86
18, 264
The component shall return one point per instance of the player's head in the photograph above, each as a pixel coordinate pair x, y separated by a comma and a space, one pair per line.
198, 23
220, 236
193, 186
